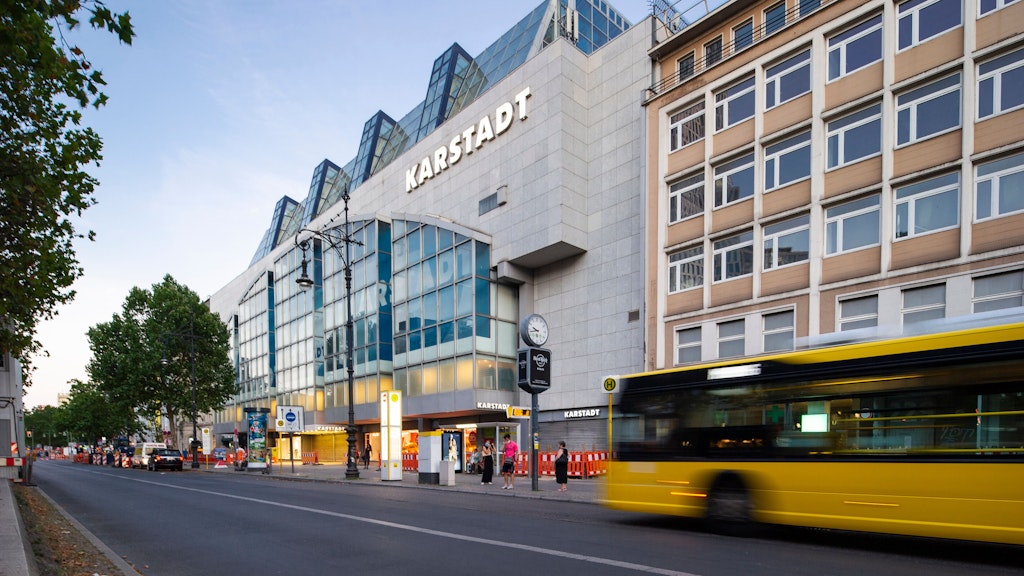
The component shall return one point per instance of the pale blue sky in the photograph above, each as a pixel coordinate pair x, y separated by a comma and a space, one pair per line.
219, 109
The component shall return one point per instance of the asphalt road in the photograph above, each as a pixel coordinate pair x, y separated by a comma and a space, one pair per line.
189, 522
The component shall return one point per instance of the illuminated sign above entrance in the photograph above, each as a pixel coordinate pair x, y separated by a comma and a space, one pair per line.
467, 141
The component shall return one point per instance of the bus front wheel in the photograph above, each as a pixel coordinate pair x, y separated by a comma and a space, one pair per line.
729, 506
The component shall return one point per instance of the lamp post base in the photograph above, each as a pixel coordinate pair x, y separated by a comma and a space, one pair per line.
352, 469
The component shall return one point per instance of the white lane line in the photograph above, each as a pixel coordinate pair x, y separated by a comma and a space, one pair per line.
439, 533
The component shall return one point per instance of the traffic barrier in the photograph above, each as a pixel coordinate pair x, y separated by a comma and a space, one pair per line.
577, 467
522, 467
15, 476
597, 463
310, 458
547, 464
410, 462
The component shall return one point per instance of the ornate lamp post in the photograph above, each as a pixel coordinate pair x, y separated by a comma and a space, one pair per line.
192, 359
340, 239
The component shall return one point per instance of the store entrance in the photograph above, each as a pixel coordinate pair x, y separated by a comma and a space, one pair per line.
474, 436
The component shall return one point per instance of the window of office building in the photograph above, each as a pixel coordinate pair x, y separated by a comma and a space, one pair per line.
686, 127
733, 256
808, 6
787, 161
859, 312
1001, 84
448, 308
855, 48
774, 18
686, 269
853, 225
998, 291
734, 104
929, 110
730, 339
987, 6
688, 345
928, 206
787, 80
686, 198
787, 242
854, 136
924, 303
999, 187
779, 331
734, 181
713, 52
920, 20
684, 67
743, 35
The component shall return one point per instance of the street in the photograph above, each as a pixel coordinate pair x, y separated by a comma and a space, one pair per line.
195, 522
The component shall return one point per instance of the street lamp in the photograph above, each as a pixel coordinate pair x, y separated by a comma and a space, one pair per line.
336, 239
192, 359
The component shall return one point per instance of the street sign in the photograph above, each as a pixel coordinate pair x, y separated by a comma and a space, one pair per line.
517, 412
289, 419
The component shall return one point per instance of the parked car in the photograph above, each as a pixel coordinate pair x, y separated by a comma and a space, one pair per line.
165, 458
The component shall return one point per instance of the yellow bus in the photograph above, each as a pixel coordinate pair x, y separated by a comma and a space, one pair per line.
917, 435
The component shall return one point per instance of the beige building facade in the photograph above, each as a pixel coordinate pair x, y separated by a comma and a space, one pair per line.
816, 168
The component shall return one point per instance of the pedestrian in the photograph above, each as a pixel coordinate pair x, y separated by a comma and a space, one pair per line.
562, 467
240, 462
488, 463
508, 464
367, 453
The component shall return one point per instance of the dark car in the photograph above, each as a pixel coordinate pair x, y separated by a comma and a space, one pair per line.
165, 458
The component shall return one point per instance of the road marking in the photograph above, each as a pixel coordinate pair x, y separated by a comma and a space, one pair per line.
442, 534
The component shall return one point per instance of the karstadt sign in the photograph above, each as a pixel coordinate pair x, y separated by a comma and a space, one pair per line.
470, 139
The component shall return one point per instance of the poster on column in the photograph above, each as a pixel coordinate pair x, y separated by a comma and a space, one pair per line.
256, 457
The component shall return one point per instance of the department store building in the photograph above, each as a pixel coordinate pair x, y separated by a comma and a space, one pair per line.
513, 188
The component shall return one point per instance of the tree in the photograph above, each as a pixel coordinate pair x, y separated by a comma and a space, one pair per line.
44, 85
45, 424
90, 414
145, 356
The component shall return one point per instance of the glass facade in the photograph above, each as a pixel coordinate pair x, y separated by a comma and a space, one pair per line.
456, 80
454, 325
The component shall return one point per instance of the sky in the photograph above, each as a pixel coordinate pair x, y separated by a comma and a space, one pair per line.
220, 108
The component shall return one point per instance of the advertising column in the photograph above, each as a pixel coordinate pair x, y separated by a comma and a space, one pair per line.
391, 435
257, 456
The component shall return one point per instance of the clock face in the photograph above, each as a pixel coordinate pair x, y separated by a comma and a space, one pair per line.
534, 330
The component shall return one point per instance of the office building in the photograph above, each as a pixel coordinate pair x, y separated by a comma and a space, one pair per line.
822, 171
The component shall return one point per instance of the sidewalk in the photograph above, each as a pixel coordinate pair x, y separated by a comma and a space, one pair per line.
584, 490
15, 552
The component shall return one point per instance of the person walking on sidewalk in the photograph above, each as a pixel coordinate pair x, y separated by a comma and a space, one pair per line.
488, 463
508, 465
562, 467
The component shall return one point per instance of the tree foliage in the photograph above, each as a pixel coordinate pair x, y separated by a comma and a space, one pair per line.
91, 414
87, 416
148, 356
44, 150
